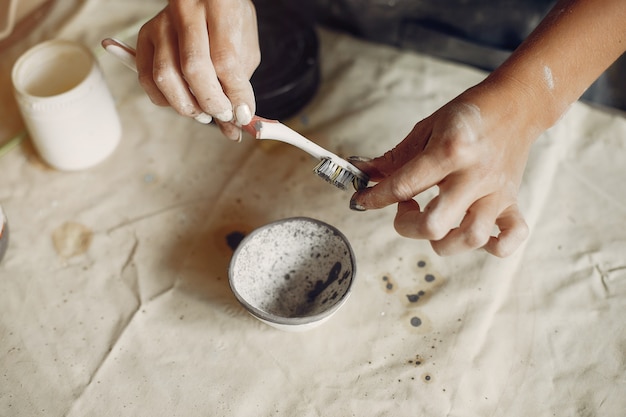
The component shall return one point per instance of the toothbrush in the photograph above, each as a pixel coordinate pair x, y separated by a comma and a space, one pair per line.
331, 167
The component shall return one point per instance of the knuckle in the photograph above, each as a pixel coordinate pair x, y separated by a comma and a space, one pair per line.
163, 75
476, 235
432, 228
225, 64
455, 149
192, 65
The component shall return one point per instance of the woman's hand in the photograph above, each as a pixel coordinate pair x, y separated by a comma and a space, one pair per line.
474, 149
197, 56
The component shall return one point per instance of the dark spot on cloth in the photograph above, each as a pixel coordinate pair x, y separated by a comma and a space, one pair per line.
389, 285
417, 361
233, 239
416, 321
421, 264
429, 278
414, 298
428, 378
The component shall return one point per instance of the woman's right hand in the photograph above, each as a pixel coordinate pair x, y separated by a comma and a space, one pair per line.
198, 57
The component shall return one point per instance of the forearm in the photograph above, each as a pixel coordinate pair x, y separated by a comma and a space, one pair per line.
569, 49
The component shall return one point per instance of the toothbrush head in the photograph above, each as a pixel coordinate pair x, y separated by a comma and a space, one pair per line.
341, 177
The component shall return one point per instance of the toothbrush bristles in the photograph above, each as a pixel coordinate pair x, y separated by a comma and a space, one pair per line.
338, 176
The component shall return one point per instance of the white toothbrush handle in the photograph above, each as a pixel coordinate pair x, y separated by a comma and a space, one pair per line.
122, 51
273, 129
262, 128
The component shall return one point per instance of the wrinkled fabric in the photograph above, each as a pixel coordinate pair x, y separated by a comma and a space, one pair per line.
114, 296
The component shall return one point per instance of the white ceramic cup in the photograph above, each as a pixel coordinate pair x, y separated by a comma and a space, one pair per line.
66, 105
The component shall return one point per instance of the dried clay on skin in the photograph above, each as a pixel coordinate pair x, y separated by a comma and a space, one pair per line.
547, 76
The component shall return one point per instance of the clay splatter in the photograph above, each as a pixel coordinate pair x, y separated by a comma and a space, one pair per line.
333, 276
233, 239
417, 361
71, 239
389, 284
547, 75
414, 298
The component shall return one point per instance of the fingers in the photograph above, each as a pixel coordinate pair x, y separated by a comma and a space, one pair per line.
159, 71
443, 213
194, 55
230, 130
235, 53
473, 232
219, 53
513, 232
144, 60
198, 57
409, 180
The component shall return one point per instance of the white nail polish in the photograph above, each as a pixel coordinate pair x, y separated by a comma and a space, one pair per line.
203, 118
243, 114
225, 116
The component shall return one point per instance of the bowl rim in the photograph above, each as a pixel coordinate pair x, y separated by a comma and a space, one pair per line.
273, 318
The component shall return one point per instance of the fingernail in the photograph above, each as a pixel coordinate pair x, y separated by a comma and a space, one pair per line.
203, 118
234, 135
359, 159
225, 116
356, 206
243, 114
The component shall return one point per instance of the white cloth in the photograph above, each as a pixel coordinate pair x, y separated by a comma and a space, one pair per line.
114, 297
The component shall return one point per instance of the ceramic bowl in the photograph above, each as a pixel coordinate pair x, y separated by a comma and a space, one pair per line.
293, 274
